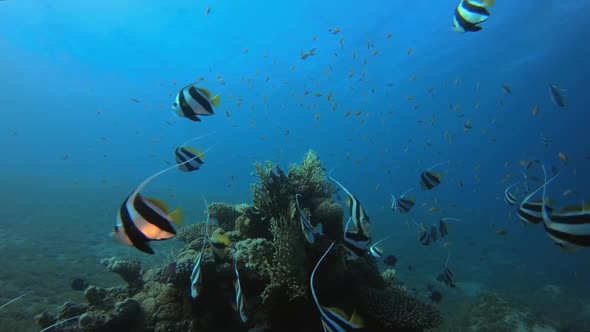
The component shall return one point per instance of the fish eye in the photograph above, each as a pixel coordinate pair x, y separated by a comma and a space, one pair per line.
116, 229
175, 104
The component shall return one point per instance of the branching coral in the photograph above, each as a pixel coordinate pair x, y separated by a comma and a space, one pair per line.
286, 273
225, 214
256, 254
273, 194
308, 178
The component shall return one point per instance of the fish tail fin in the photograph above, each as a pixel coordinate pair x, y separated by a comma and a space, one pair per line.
176, 216
357, 320
215, 101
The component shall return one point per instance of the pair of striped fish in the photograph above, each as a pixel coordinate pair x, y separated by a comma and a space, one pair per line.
334, 319
143, 219
403, 204
430, 179
446, 276
569, 228
358, 238
435, 232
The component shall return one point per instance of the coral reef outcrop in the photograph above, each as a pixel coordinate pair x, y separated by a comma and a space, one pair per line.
274, 261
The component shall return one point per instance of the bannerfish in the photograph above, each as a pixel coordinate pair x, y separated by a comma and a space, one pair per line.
531, 212
240, 302
220, 244
355, 243
429, 179
569, 228
355, 209
509, 197
192, 101
470, 13
334, 319
556, 95
143, 219
306, 226
187, 158
186, 153
447, 275
403, 204
196, 277
376, 251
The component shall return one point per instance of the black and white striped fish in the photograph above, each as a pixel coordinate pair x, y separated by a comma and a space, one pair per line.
192, 101
356, 244
356, 211
429, 179
196, 277
188, 153
403, 204
447, 276
376, 251
334, 319
470, 13
435, 232
141, 219
306, 226
569, 228
509, 197
531, 212
187, 158
240, 302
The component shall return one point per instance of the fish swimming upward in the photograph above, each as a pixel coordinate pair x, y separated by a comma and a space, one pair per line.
469, 14
192, 101
356, 211
306, 226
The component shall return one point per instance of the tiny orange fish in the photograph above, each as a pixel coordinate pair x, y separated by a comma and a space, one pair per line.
563, 158
536, 110
410, 51
207, 11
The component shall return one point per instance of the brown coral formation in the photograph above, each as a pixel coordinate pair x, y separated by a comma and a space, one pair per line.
274, 260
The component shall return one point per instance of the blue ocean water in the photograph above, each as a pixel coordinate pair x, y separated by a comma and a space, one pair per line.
401, 89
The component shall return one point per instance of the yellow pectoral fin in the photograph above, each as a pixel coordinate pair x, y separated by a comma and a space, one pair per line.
159, 203
215, 101
338, 312
357, 320
176, 216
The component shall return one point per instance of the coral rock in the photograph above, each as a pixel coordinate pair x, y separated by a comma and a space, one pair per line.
130, 271
330, 214
225, 214
394, 310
